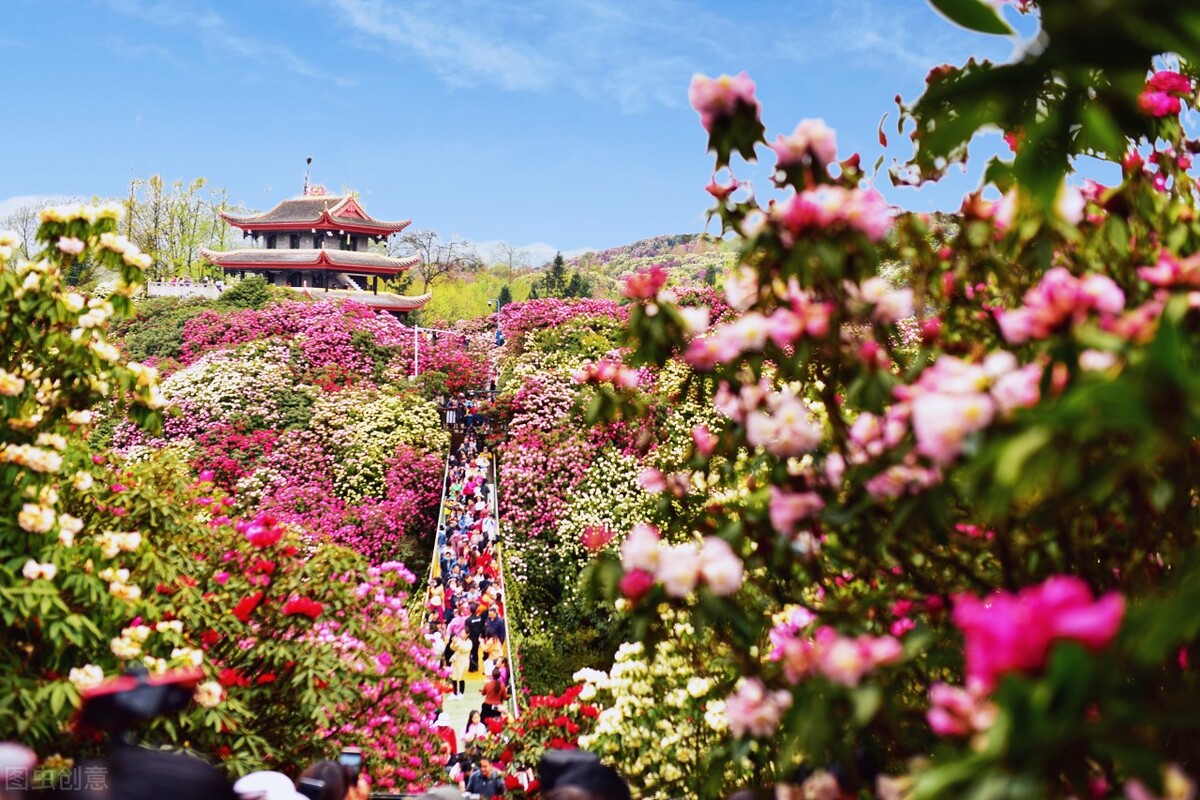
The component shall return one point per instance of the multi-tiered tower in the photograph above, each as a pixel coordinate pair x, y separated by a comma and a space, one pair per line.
318, 243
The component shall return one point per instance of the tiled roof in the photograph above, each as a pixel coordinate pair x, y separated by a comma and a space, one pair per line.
382, 300
319, 211
311, 257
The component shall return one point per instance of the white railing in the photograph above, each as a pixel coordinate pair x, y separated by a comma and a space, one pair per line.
508, 634
161, 289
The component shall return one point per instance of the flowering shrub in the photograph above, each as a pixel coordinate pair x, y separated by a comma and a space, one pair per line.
547, 722
662, 715
73, 581
966, 528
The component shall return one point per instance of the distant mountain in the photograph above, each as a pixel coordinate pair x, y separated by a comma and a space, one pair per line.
688, 257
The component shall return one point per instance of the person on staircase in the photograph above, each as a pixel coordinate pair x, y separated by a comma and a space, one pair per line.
476, 624
460, 660
495, 693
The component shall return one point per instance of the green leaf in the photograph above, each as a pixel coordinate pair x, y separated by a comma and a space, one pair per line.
867, 700
973, 15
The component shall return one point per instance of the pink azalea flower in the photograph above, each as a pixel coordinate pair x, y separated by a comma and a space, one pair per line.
788, 508
811, 139
716, 98
635, 584
645, 285
753, 709
1014, 632
1159, 104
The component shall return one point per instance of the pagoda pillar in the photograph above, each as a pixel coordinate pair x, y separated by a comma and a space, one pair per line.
325, 278
374, 284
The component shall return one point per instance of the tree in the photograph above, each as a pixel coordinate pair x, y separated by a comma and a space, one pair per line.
23, 222
505, 297
578, 286
554, 283
172, 222
438, 258
512, 257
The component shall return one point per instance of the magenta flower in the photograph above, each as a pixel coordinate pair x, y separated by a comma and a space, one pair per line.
1014, 632
1169, 82
1159, 104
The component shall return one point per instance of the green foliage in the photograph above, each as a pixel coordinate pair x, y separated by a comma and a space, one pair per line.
505, 297
156, 329
251, 292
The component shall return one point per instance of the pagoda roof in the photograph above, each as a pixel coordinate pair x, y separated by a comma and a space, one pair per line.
323, 212
306, 259
383, 301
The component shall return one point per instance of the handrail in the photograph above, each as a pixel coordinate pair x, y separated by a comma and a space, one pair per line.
418, 598
508, 627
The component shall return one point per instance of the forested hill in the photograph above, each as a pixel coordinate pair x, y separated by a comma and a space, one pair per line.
689, 257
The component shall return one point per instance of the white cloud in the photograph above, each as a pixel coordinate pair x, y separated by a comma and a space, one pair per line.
634, 56
215, 35
535, 254
10, 204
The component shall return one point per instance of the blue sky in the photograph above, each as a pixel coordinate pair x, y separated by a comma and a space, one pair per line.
556, 121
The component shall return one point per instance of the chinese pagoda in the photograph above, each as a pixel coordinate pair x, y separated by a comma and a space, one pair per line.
318, 244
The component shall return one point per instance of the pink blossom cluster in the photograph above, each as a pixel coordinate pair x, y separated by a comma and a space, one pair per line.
1163, 93
517, 319
718, 98
841, 659
755, 710
328, 338
1060, 299
812, 140
959, 711
680, 568
828, 206
542, 402
1171, 271
776, 420
954, 399
538, 470
608, 370
645, 285
1014, 632
803, 317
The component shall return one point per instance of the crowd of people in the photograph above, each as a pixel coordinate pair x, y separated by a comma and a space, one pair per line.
464, 609
463, 412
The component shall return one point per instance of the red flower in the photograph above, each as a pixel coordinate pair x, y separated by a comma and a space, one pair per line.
230, 677
589, 711
265, 678
263, 532
635, 584
209, 638
302, 606
644, 285
224, 752
495, 724
246, 606
511, 782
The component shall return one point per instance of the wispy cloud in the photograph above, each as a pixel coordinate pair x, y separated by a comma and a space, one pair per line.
215, 35
634, 57
905, 38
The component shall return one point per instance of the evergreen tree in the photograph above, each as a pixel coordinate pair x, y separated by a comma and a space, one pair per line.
578, 286
554, 284
533, 292
505, 296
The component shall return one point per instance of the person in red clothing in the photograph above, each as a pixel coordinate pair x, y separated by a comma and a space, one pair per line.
445, 731
494, 695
